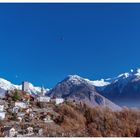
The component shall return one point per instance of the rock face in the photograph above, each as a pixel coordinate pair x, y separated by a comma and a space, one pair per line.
79, 89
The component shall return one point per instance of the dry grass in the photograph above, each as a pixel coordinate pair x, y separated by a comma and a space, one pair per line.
79, 120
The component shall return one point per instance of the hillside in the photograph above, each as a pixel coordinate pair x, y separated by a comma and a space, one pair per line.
75, 120
68, 119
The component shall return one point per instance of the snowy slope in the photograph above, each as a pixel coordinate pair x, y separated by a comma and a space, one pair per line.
122, 79
7, 85
124, 89
97, 83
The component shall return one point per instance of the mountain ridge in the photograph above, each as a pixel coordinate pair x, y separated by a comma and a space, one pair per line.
7, 85
114, 89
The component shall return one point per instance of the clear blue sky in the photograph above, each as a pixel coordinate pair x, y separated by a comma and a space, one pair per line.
43, 43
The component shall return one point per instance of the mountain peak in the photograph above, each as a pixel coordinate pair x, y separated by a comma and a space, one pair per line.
81, 90
74, 77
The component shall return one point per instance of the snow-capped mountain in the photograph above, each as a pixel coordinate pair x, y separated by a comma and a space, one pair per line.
124, 89
79, 89
34, 90
7, 85
98, 83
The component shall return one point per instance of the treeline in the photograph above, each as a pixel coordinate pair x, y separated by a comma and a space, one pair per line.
79, 120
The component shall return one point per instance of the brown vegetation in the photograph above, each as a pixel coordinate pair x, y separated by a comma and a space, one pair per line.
78, 120
81, 120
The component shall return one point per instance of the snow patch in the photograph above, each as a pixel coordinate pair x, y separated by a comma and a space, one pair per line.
75, 79
7, 85
99, 83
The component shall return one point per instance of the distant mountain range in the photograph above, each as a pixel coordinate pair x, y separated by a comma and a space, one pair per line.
123, 90
6, 85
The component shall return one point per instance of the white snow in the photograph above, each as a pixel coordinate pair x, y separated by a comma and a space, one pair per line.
123, 79
137, 72
98, 83
124, 75
75, 79
7, 85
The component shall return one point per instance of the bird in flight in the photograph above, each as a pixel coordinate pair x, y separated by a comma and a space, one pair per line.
62, 38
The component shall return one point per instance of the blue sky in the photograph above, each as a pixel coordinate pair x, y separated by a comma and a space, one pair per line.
43, 43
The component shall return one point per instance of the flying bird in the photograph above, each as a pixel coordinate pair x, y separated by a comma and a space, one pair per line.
62, 38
